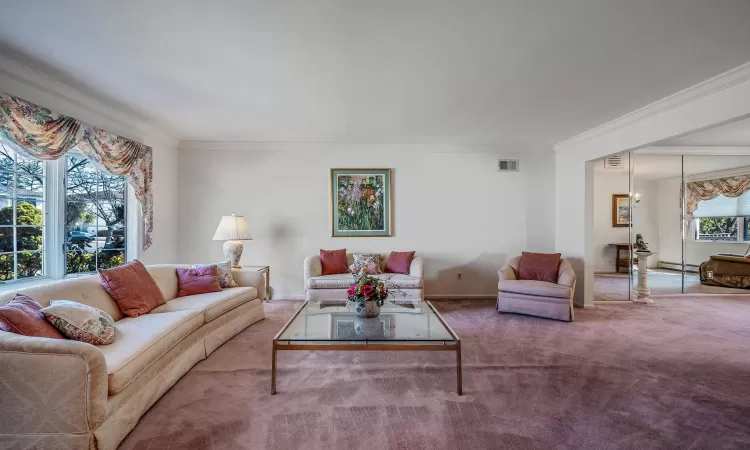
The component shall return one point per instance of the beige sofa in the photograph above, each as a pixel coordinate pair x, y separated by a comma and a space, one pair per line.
537, 298
334, 287
65, 394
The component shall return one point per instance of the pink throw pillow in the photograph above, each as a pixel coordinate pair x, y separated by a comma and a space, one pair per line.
539, 266
21, 316
198, 280
399, 262
132, 288
333, 261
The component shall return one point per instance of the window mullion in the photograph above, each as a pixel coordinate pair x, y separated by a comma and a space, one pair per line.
14, 204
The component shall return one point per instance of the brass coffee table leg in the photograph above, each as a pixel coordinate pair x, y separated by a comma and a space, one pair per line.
459, 383
273, 369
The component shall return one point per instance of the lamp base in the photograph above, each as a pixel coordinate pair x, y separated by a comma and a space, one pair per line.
233, 252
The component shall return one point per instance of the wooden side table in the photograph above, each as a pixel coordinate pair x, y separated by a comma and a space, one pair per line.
623, 262
266, 271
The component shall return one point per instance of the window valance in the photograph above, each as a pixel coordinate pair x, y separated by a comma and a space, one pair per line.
730, 187
47, 135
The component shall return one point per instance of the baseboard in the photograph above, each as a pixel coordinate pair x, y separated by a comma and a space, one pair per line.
692, 268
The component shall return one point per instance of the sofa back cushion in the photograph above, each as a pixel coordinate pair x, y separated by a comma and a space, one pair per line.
539, 266
197, 280
334, 261
22, 316
165, 277
132, 287
399, 262
85, 289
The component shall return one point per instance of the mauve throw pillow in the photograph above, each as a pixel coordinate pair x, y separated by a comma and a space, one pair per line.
399, 262
132, 288
539, 266
333, 261
197, 280
21, 316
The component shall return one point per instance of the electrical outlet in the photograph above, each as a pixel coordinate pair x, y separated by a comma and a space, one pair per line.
710, 274
460, 276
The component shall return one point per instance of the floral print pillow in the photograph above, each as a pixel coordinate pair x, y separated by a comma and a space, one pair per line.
226, 280
369, 263
80, 322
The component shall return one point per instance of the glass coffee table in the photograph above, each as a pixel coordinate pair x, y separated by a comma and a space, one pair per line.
333, 325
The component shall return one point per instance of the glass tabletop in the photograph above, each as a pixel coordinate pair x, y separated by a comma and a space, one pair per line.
335, 321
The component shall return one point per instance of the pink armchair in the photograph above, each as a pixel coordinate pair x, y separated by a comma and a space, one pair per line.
537, 298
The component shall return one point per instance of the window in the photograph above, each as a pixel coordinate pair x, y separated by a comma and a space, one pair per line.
723, 219
94, 217
59, 218
21, 216
730, 229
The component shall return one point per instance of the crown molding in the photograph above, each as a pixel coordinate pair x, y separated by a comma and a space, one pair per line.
277, 146
719, 174
19, 77
696, 92
694, 151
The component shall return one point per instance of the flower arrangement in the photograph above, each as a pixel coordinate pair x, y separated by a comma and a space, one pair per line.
367, 287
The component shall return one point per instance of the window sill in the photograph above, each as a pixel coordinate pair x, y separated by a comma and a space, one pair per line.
10, 286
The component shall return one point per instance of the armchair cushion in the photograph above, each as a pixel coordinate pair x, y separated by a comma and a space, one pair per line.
535, 288
539, 266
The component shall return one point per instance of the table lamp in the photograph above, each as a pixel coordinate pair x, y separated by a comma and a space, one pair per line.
232, 229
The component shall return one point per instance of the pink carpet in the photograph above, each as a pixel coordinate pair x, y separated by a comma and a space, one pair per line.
674, 375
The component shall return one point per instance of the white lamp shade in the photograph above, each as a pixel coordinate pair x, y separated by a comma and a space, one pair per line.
232, 228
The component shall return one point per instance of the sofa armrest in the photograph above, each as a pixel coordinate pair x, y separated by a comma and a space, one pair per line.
312, 268
50, 386
506, 273
566, 276
416, 269
250, 278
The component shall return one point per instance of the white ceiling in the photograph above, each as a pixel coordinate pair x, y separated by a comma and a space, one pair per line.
734, 134
657, 167
510, 72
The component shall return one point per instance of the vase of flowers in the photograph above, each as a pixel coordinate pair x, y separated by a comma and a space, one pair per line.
367, 294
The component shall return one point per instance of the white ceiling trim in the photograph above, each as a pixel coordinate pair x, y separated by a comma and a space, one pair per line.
16, 78
694, 151
719, 174
703, 89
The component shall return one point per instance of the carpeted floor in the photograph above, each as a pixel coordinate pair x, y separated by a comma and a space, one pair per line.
674, 375
614, 286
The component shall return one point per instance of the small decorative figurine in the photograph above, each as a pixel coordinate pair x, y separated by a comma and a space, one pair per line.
639, 245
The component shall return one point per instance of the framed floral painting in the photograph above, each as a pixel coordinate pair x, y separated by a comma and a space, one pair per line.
360, 202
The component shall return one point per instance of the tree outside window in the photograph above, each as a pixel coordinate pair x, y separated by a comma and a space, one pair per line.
95, 211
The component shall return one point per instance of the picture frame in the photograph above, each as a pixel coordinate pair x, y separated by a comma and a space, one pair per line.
621, 210
361, 204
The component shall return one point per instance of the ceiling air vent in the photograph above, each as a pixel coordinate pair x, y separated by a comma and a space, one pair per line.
507, 165
614, 162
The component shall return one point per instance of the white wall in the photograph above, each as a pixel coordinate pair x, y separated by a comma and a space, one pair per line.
450, 205
645, 218
20, 81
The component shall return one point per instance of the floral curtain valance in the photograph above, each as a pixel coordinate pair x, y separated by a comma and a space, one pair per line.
48, 135
709, 189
